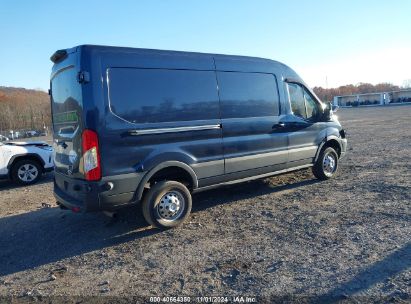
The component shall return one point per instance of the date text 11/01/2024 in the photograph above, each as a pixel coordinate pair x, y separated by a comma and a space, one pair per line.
186, 299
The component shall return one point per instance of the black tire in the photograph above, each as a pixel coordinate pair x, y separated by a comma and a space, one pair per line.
160, 198
322, 169
33, 169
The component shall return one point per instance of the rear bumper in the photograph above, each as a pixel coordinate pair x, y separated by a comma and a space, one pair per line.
108, 194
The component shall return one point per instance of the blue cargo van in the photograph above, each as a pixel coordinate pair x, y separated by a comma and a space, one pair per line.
151, 127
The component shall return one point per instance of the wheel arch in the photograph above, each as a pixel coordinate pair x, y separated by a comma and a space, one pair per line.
183, 171
31, 156
330, 141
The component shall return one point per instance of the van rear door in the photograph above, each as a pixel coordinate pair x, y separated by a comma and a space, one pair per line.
67, 110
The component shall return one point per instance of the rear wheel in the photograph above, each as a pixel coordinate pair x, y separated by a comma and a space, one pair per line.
326, 165
167, 204
26, 172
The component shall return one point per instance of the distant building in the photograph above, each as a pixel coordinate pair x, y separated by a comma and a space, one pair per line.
380, 98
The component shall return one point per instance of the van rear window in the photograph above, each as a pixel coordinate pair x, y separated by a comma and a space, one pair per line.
248, 94
66, 102
160, 95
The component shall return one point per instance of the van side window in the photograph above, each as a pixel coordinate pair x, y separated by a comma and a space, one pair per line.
311, 106
302, 104
247, 94
297, 100
159, 95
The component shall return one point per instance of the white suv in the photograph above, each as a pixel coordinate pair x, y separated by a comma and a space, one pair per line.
25, 162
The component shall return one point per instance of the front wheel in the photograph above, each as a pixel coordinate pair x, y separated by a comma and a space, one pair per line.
167, 204
326, 165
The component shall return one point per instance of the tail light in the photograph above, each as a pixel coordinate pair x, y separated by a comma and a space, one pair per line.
91, 155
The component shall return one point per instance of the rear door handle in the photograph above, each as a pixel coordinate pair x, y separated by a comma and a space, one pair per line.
61, 143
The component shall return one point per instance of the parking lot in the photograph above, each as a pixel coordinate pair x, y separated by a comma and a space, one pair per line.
287, 237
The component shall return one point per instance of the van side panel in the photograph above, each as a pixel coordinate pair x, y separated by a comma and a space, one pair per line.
159, 114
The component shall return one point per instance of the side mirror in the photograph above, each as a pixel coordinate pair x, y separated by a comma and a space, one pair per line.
327, 111
334, 108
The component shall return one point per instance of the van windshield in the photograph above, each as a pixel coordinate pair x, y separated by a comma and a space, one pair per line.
66, 102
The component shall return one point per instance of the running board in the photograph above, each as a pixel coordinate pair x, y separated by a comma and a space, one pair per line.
246, 179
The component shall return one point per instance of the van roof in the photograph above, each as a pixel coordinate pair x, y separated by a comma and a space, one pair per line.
144, 51
169, 52
150, 58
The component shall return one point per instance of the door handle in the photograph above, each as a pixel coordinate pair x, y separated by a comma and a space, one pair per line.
279, 125
61, 143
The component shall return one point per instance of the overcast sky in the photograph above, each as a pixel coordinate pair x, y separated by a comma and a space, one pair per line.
339, 41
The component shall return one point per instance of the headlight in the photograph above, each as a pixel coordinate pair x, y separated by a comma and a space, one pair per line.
47, 148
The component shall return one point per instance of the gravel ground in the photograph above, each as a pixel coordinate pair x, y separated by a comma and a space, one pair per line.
288, 238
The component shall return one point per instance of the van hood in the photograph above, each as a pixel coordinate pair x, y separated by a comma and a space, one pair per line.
28, 143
